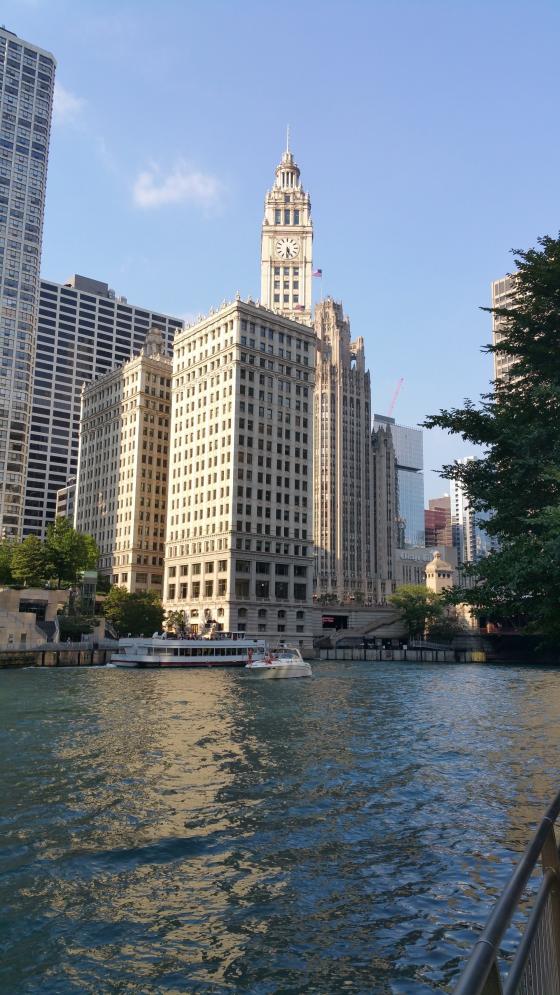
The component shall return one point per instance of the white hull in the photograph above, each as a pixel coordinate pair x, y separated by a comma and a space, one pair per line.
268, 671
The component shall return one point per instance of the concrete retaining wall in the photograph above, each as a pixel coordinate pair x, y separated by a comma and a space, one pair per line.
400, 655
12, 659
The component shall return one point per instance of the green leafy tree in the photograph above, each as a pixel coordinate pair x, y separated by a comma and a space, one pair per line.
28, 563
7, 547
177, 621
418, 607
137, 614
517, 478
444, 629
69, 552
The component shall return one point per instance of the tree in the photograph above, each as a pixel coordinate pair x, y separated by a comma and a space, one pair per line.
7, 547
137, 614
176, 619
68, 552
28, 562
418, 607
517, 478
444, 629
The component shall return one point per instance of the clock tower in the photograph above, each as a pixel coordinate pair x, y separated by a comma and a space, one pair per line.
287, 244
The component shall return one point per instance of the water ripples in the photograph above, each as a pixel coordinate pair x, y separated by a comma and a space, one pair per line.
197, 832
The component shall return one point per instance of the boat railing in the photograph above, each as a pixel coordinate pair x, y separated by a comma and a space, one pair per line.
535, 969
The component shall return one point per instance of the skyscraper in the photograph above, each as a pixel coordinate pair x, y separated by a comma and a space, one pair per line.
26, 96
287, 244
469, 536
437, 522
239, 534
410, 479
343, 460
121, 486
503, 291
84, 331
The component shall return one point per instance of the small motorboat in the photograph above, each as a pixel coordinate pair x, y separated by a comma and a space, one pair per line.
286, 661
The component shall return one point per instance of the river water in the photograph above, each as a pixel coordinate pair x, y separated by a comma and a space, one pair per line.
201, 832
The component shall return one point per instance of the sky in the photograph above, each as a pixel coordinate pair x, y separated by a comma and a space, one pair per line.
426, 133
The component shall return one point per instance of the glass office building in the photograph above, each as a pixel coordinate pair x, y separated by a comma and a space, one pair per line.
409, 452
26, 96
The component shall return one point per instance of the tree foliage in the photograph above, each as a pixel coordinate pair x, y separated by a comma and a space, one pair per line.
28, 562
176, 620
68, 552
517, 478
418, 607
63, 555
7, 547
135, 614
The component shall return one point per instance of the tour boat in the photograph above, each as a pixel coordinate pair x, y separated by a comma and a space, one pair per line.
221, 649
286, 661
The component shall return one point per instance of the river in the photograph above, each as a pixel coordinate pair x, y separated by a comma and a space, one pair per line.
172, 832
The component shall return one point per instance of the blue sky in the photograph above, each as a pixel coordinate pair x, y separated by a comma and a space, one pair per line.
426, 132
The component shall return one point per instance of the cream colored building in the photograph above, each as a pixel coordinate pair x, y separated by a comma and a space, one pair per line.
440, 575
503, 291
287, 244
345, 486
239, 531
122, 467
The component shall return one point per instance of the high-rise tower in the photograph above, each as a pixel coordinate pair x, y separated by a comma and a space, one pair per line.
287, 244
343, 472
26, 96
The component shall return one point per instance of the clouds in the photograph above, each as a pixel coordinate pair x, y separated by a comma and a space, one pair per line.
182, 185
67, 107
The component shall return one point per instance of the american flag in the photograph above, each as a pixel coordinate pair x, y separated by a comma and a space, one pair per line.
317, 272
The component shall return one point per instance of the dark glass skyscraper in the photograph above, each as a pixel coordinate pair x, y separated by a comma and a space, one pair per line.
26, 97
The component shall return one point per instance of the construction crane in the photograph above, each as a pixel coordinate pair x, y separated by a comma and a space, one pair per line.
395, 396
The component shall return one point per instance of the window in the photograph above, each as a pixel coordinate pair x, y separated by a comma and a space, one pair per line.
208, 588
287, 216
277, 216
300, 592
281, 590
263, 568
242, 566
262, 589
241, 588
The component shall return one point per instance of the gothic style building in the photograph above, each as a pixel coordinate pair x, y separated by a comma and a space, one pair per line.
354, 478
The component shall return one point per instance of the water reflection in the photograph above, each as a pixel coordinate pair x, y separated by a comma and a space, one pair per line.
172, 832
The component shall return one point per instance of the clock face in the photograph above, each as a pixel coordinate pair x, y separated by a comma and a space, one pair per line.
287, 248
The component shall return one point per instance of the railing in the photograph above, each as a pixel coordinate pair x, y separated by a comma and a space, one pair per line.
535, 969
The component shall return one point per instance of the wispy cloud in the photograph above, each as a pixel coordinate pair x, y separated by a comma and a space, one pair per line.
67, 106
183, 185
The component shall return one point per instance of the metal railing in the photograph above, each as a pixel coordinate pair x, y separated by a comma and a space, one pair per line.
535, 969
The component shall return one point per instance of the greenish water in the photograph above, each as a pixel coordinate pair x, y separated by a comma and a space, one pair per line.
199, 832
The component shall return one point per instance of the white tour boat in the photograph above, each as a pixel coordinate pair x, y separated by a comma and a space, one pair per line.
222, 649
286, 661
